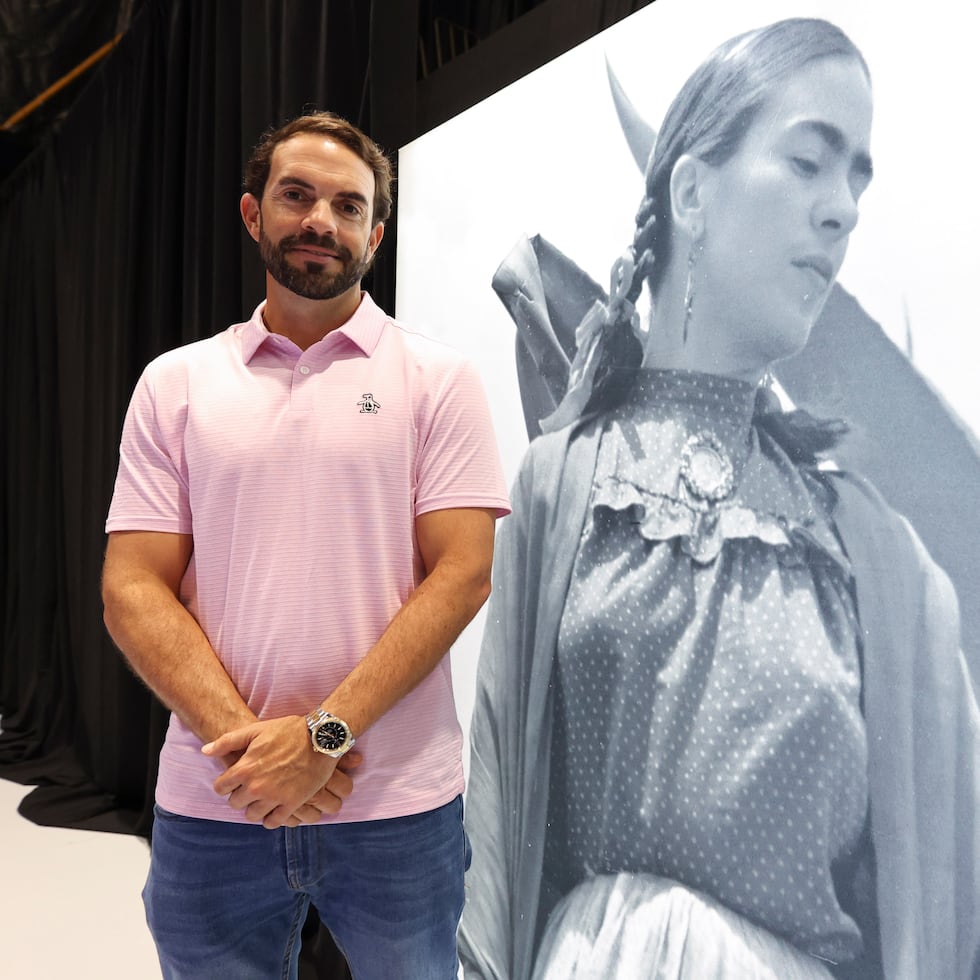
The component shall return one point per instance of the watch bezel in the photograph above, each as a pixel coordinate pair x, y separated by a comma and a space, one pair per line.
319, 720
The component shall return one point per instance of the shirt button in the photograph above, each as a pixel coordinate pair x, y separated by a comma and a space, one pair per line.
304, 369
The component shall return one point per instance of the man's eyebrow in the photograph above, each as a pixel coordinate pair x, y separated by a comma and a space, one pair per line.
356, 196
298, 181
288, 179
835, 139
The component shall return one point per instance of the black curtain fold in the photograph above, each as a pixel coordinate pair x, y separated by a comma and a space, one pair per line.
121, 239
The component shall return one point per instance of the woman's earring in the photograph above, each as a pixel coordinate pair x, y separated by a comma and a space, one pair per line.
692, 258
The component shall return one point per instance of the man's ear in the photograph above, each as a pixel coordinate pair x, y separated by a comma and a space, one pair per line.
374, 239
251, 217
691, 188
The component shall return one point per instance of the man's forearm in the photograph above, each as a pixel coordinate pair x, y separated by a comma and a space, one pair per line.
167, 648
411, 647
456, 546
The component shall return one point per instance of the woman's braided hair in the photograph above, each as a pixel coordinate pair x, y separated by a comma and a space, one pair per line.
622, 351
709, 117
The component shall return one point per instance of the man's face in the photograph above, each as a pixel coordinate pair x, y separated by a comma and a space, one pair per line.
313, 225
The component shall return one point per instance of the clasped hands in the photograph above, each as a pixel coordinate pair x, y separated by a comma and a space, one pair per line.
275, 776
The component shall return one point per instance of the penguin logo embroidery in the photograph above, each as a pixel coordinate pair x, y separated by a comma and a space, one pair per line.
368, 405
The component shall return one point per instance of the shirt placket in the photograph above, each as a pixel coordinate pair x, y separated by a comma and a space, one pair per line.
301, 390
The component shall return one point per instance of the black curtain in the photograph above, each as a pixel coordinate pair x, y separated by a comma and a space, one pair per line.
121, 239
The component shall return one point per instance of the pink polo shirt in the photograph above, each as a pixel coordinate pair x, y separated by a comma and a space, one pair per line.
300, 475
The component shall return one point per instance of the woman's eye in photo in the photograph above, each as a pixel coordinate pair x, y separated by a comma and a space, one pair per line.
806, 166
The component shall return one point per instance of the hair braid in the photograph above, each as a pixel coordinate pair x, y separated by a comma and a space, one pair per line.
644, 239
622, 352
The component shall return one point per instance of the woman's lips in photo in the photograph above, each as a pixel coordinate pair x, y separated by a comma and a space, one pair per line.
818, 267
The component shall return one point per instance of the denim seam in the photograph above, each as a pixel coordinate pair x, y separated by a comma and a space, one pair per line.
302, 905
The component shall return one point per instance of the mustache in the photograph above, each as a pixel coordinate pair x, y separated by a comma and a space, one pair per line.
317, 241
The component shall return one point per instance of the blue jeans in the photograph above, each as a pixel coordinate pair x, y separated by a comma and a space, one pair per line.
227, 901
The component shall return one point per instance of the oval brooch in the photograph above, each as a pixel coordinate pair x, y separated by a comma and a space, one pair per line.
706, 470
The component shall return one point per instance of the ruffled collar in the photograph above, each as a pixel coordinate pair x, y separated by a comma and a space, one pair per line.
682, 451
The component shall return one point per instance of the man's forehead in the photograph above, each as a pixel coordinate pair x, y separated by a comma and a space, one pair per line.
312, 155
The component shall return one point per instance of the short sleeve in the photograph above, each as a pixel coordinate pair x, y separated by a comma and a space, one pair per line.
151, 491
458, 463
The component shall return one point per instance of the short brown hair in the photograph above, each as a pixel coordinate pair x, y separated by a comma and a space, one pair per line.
325, 124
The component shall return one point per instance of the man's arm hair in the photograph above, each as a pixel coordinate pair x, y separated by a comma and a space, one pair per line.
160, 639
457, 549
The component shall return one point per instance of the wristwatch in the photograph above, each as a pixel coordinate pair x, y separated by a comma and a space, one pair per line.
329, 734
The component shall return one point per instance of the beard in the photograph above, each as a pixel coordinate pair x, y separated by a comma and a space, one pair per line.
312, 280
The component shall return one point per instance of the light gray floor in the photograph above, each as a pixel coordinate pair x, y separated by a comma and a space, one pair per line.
70, 901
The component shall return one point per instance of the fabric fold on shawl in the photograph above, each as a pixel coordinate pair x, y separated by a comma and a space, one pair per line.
547, 297
510, 734
923, 745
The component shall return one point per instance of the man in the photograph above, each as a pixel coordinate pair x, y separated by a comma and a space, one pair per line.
302, 524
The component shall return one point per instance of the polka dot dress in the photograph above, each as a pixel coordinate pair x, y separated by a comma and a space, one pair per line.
707, 691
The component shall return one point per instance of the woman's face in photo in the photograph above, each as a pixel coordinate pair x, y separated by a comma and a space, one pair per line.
779, 212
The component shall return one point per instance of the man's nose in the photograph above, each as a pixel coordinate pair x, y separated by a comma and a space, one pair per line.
320, 218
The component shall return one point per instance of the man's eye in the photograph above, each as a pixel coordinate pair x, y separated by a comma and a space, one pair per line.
292, 195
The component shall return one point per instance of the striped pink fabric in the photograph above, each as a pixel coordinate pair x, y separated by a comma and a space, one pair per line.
300, 474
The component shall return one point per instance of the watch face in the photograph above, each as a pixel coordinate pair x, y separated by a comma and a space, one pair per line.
331, 735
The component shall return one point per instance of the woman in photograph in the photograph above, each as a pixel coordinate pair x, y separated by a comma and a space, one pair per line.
723, 727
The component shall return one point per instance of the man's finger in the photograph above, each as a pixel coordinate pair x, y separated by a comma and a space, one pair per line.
350, 760
240, 798
260, 811
229, 782
340, 784
230, 741
277, 817
307, 813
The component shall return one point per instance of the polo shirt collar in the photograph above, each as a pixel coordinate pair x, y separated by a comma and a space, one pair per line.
364, 328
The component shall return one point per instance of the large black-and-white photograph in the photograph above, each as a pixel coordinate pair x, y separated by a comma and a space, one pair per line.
715, 266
